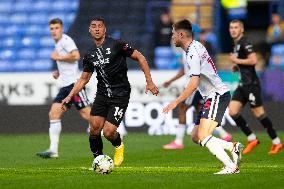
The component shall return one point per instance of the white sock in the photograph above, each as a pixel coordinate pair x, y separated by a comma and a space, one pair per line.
276, 141
122, 130
54, 134
251, 137
216, 149
221, 131
180, 130
225, 145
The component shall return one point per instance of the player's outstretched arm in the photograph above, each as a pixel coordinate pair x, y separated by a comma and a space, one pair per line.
191, 87
176, 77
71, 57
136, 55
79, 85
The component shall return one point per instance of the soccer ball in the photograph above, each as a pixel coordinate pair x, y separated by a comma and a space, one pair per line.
103, 164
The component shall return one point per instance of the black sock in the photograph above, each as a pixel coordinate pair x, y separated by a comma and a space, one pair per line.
117, 141
267, 124
242, 124
96, 145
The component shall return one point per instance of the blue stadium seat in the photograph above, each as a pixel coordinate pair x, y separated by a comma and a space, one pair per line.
60, 6
28, 53
7, 54
42, 65
165, 58
46, 41
19, 18
11, 42
30, 42
15, 30
73, 5
70, 17
5, 66
37, 29
44, 53
33, 30
278, 49
22, 66
22, 6
277, 57
25, 35
4, 19
41, 6
5, 6
38, 18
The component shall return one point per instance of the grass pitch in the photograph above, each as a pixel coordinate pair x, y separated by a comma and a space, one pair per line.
146, 165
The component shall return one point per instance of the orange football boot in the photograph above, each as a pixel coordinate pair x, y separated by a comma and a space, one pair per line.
275, 148
250, 146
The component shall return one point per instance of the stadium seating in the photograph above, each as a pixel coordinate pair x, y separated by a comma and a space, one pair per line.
25, 40
165, 58
277, 57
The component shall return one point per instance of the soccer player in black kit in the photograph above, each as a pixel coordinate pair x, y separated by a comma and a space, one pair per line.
108, 58
249, 90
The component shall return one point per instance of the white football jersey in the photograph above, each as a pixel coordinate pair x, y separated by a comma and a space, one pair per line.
69, 71
199, 63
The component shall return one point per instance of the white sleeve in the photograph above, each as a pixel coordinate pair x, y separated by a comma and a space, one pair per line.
69, 45
194, 63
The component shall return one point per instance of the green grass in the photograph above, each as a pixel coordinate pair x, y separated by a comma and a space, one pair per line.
146, 165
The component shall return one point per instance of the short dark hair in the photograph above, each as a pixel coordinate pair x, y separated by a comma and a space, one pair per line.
183, 24
238, 21
56, 21
98, 19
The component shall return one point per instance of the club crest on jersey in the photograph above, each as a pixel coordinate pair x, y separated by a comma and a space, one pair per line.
125, 47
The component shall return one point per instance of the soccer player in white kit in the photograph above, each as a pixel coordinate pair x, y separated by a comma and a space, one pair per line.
66, 55
203, 76
194, 100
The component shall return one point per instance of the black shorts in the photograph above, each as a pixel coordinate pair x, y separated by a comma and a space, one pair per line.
80, 100
111, 108
248, 93
214, 108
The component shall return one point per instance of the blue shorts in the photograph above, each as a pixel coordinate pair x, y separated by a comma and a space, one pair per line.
214, 108
80, 100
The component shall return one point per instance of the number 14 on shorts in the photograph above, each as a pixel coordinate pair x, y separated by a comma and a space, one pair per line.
118, 114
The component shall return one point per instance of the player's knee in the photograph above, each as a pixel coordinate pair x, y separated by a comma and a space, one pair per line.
233, 113
95, 130
202, 136
53, 115
109, 133
194, 136
85, 115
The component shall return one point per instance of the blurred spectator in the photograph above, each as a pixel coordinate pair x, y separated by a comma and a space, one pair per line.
210, 48
275, 35
275, 31
212, 38
164, 55
277, 57
163, 31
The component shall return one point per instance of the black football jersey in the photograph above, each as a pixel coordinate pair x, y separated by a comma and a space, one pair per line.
109, 61
248, 74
